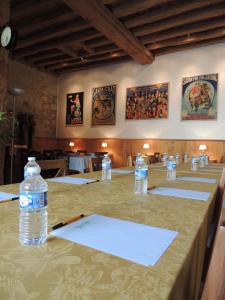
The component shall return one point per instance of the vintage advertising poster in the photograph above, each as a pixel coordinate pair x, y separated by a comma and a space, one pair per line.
147, 102
199, 97
74, 108
103, 105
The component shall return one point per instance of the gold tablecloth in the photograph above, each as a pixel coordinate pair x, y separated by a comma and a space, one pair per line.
62, 270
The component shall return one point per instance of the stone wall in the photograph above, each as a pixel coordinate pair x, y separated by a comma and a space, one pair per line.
39, 99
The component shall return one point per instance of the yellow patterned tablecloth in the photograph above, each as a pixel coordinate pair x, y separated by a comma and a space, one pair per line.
62, 270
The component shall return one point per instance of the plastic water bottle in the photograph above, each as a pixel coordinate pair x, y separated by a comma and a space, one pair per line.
177, 158
141, 177
186, 158
202, 161
171, 168
31, 163
106, 168
194, 163
33, 224
206, 160
164, 159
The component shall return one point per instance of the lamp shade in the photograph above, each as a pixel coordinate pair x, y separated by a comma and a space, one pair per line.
146, 146
104, 145
202, 147
71, 144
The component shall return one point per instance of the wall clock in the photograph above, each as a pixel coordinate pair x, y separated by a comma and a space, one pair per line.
8, 37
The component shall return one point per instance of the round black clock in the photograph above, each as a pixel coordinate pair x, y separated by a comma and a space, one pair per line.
8, 37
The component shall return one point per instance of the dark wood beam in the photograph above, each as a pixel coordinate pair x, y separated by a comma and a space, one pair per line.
53, 43
163, 51
216, 33
187, 18
44, 24
93, 65
42, 55
102, 19
170, 10
82, 45
133, 6
91, 59
101, 41
68, 51
52, 32
21, 11
106, 51
184, 30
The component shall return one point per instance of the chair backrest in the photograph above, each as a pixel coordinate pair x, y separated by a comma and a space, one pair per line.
222, 160
220, 197
129, 161
59, 164
96, 163
215, 279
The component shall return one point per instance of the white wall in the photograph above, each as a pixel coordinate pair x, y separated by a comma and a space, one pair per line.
167, 68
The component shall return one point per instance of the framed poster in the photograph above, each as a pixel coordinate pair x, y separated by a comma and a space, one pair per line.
147, 102
74, 108
199, 97
104, 105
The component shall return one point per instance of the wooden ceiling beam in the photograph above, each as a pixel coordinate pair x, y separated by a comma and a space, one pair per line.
52, 32
101, 41
89, 60
102, 19
21, 11
68, 51
188, 46
110, 51
42, 55
184, 30
44, 24
167, 11
53, 43
82, 45
217, 33
94, 65
187, 18
133, 6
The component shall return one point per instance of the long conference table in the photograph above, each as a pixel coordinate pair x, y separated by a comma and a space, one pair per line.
61, 269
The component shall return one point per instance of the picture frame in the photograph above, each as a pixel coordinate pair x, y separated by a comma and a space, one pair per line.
104, 105
199, 97
74, 109
147, 102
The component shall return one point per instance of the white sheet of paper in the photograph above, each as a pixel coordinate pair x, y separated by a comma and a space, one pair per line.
72, 180
135, 242
197, 179
180, 193
7, 196
119, 171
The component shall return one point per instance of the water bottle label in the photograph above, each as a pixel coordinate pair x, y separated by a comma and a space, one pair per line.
141, 173
33, 200
171, 165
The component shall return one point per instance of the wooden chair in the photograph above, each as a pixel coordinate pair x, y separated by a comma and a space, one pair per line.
56, 164
216, 219
96, 163
129, 161
222, 160
214, 287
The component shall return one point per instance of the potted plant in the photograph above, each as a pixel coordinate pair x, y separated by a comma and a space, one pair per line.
6, 120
